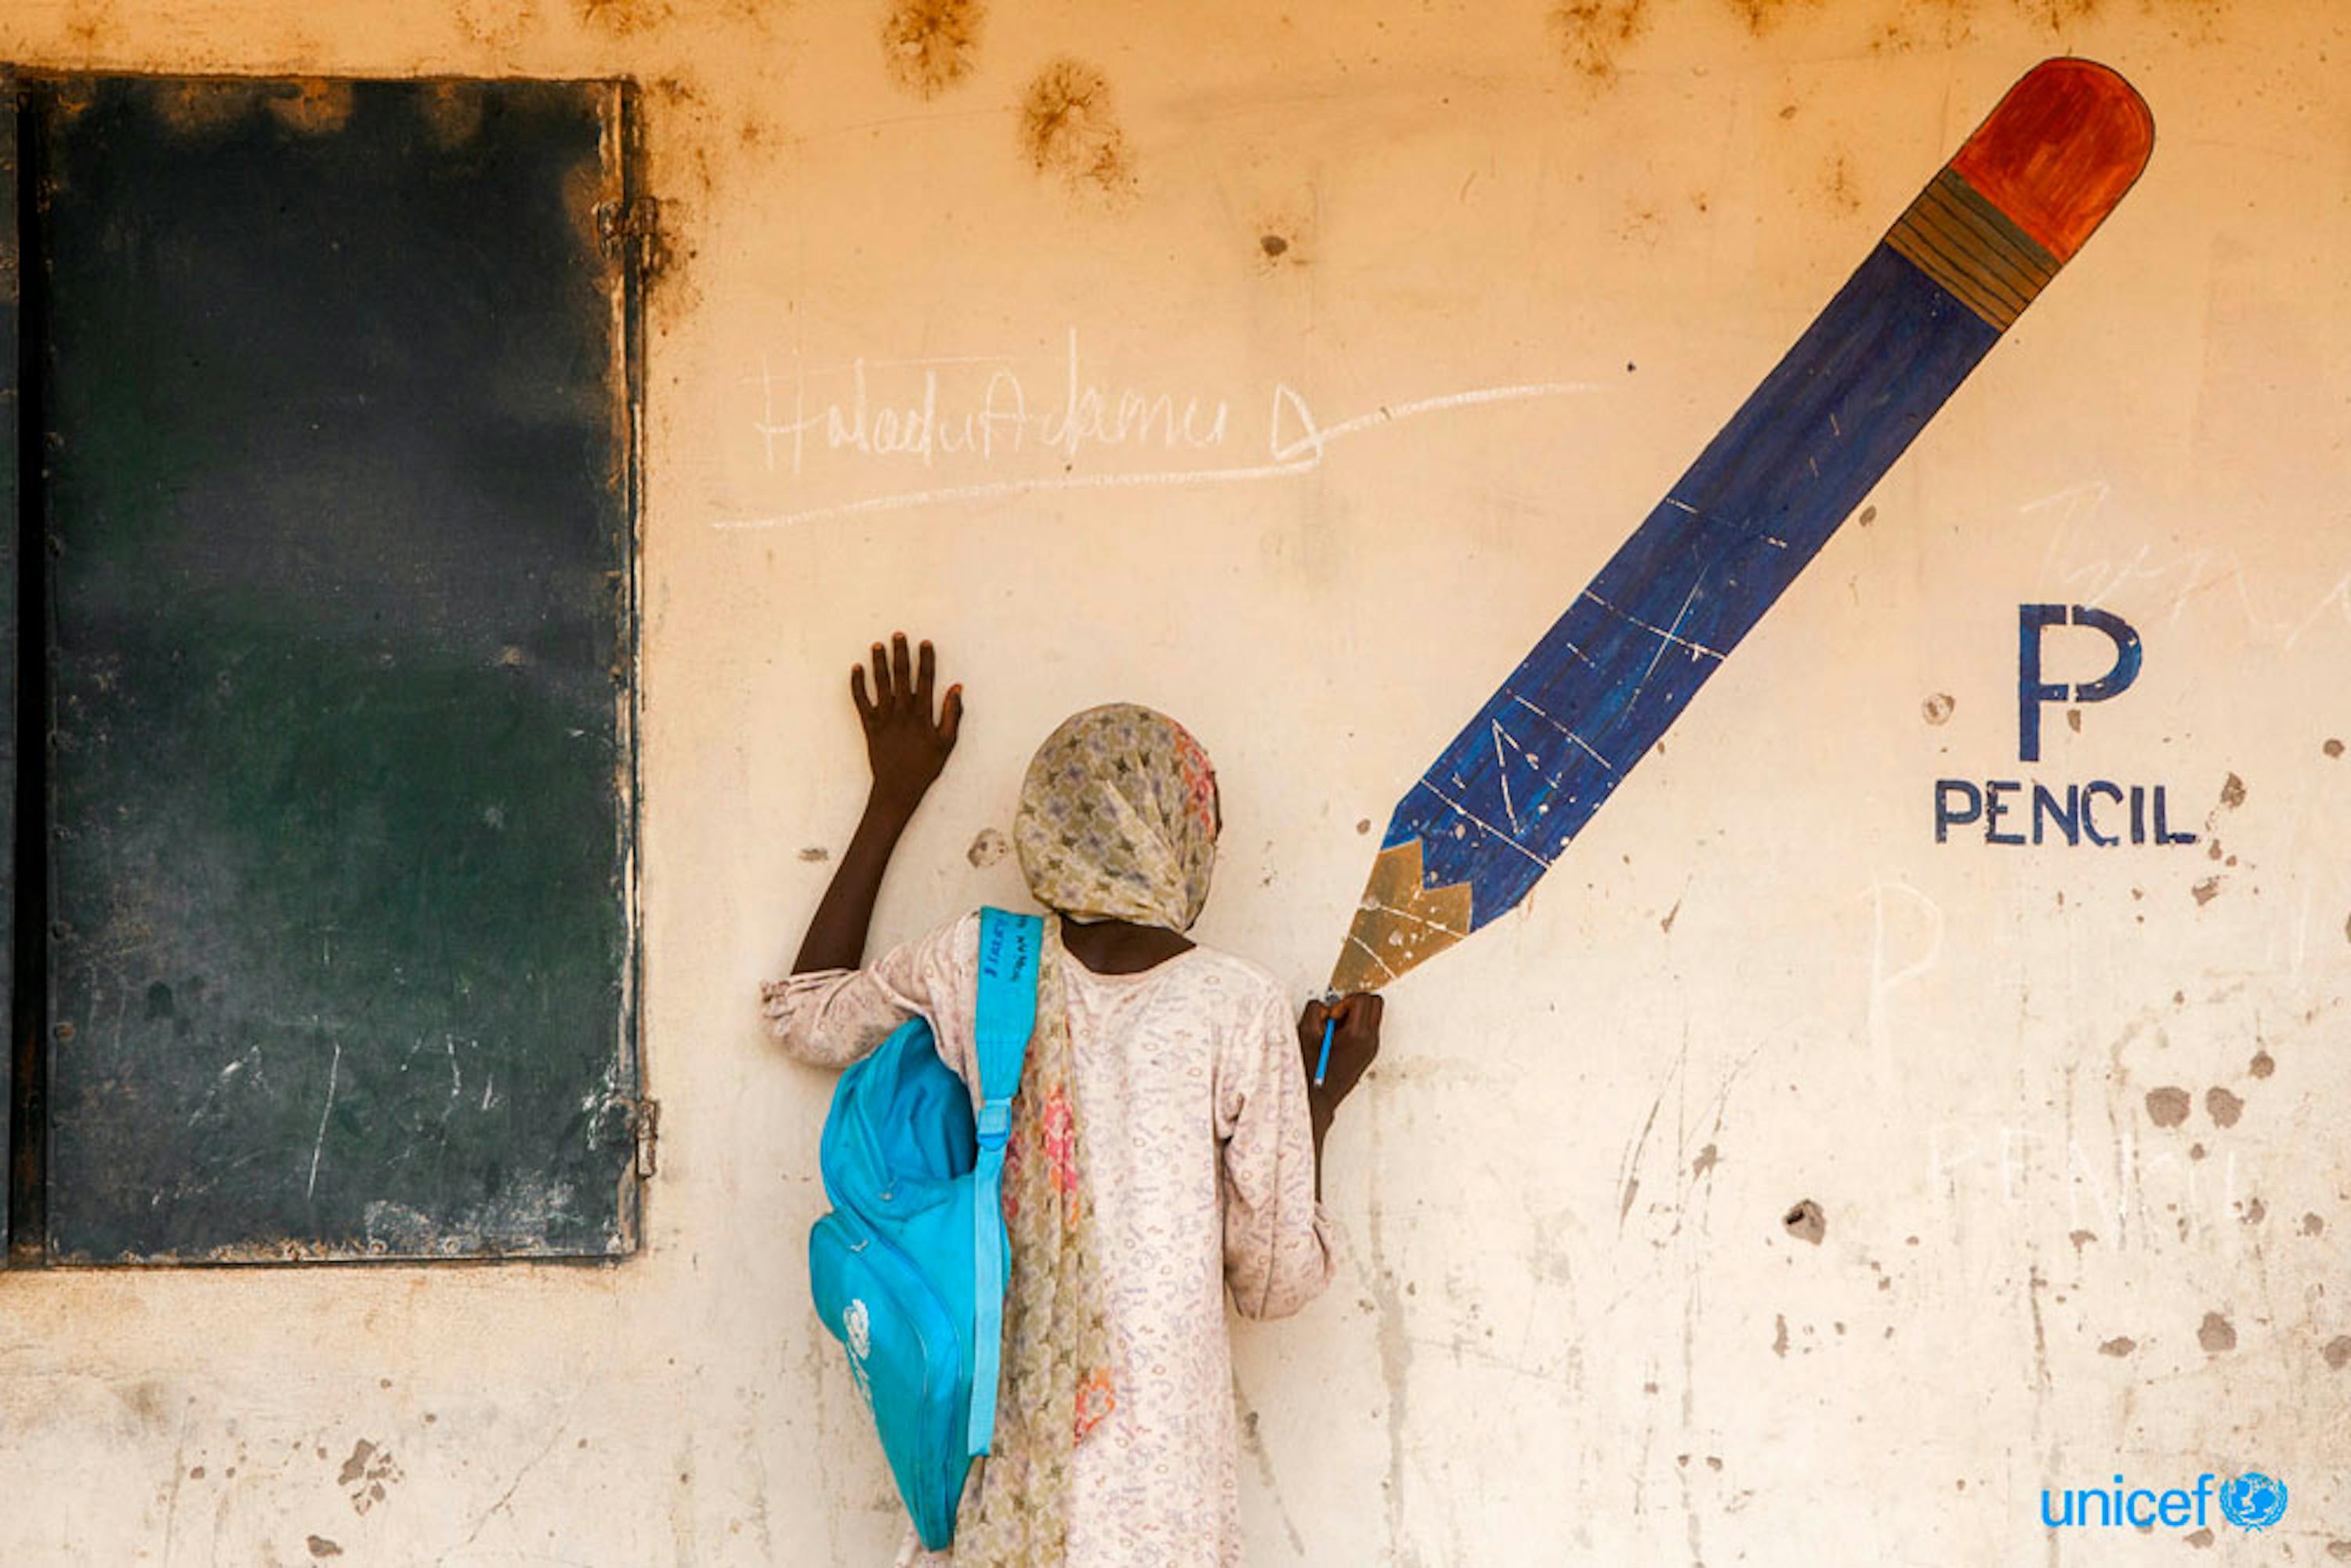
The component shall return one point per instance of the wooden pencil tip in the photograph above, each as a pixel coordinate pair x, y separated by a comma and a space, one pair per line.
1400, 922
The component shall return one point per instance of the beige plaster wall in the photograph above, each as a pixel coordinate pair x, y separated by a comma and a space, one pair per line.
1570, 1325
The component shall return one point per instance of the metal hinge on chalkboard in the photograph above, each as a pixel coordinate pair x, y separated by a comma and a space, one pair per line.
644, 1122
631, 231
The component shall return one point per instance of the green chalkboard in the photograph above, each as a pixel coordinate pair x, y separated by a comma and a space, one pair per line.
337, 404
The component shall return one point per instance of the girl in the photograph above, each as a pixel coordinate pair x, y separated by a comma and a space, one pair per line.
1167, 1144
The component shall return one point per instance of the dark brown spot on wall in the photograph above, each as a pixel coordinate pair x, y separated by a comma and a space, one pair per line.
313, 106
1839, 183
2054, 15
202, 106
2222, 1106
453, 112
928, 46
495, 24
2168, 1106
1805, 1222
1590, 34
2216, 1334
1067, 129
623, 16
1762, 16
1936, 709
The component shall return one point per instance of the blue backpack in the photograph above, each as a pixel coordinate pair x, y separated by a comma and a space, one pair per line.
908, 1269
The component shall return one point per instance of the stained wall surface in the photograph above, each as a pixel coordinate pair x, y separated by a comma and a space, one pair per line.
1290, 368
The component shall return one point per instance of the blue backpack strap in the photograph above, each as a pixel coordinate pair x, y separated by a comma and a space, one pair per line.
1008, 948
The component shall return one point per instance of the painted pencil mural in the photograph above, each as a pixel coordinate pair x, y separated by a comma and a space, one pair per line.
1476, 831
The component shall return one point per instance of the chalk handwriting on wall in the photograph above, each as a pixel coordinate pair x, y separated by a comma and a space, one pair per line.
977, 421
1476, 831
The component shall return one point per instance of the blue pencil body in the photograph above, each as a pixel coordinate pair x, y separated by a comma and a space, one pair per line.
1591, 699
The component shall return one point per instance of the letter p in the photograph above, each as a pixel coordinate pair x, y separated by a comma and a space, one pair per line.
2032, 691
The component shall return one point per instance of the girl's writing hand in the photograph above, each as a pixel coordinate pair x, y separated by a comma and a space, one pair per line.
1355, 1045
905, 746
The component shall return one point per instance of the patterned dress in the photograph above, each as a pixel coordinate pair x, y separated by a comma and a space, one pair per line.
1200, 1166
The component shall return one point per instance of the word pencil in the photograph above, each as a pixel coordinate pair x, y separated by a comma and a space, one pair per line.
1477, 830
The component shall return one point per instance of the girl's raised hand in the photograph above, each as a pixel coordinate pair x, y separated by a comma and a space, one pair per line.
905, 746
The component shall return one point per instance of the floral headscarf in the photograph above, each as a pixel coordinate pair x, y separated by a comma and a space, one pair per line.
1117, 821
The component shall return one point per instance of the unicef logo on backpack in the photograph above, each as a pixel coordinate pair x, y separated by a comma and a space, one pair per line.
858, 1326
2254, 1500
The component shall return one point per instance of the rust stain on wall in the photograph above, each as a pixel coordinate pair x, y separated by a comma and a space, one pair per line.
204, 107
624, 16
314, 106
1068, 130
494, 25
1762, 16
1590, 34
928, 46
453, 112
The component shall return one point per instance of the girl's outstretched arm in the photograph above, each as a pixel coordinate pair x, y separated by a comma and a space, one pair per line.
906, 747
